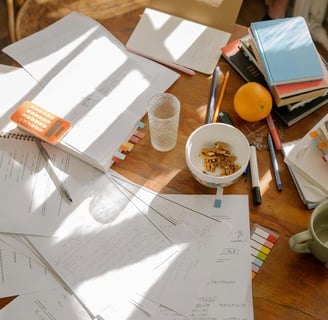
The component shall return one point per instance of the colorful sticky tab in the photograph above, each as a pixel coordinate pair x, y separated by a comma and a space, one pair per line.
262, 242
140, 124
139, 134
319, 139
127, 147
120, 155
217, 203
134, 139
115, 159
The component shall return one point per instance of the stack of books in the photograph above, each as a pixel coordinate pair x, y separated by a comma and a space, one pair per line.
281, 55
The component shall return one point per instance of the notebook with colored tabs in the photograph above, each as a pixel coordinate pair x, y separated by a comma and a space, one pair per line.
102, 98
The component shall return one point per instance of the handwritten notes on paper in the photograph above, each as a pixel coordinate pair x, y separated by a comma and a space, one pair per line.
162, 256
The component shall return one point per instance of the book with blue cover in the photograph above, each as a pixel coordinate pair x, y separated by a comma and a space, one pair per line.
286, 50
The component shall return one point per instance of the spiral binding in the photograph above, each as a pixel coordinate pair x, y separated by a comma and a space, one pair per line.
16, 136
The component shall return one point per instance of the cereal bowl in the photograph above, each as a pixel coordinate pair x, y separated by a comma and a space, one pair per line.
205, 137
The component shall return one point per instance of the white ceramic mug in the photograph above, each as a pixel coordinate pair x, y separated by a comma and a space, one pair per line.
314, 240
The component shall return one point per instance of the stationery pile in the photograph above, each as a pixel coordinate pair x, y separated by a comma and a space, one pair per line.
119, 251
307, 166
281, 55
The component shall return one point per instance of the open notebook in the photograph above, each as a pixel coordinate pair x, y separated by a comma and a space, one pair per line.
91, 80
188, 33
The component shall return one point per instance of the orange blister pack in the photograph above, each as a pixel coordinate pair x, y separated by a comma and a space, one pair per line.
40, 122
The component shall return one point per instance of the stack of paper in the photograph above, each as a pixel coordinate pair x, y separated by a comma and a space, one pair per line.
309, 170
119, 251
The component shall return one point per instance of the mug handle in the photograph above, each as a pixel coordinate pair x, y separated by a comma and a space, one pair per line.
299, 242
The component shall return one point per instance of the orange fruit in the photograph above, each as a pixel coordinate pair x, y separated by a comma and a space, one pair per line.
252, 102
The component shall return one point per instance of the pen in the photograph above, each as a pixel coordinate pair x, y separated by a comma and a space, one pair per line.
274, 132
255, 177
210, 107
51, 171
223, 89
274, 163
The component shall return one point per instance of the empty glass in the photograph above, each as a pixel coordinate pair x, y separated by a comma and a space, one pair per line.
163, 116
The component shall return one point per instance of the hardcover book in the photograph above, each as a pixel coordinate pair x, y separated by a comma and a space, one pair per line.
300, 91
286, 50
242, 63
296, 115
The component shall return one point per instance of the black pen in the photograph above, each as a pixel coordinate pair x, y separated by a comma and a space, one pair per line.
51, 171
211, 102
274, 163
257, 199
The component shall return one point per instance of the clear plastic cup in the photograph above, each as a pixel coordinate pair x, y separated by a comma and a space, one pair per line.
163, 116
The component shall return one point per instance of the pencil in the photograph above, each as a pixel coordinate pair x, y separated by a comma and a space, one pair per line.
210, 107
223, 89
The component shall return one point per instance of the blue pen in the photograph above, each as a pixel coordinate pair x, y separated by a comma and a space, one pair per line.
211, 102
274, 163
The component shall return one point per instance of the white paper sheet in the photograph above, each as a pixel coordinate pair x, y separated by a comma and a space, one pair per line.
12, 94
44, 54
21, 274
129, 248
228, 291
46, 305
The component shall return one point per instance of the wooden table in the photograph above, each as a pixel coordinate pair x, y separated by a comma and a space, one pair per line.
289, 285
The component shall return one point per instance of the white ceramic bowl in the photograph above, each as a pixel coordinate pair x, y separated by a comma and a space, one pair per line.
205, 136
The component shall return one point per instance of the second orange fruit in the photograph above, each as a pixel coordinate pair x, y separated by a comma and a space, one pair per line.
252, 102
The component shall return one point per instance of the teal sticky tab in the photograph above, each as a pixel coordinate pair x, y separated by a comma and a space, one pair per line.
120, 155
258, 262
140, 124
217, 203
